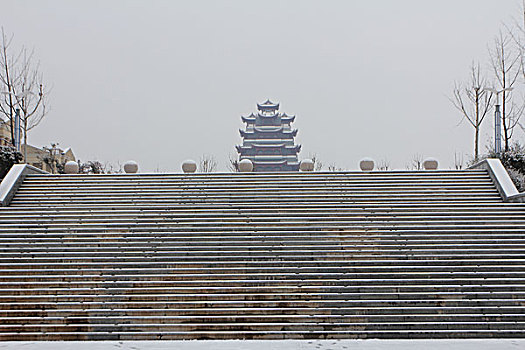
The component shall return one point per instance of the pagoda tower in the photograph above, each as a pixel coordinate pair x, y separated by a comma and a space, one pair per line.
268, 140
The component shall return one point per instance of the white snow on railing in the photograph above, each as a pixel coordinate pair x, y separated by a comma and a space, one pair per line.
13, 179
501, 178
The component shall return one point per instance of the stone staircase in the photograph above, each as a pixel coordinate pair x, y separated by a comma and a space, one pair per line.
398, 254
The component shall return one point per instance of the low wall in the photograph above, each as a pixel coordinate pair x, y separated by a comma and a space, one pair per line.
12, 181
501, 178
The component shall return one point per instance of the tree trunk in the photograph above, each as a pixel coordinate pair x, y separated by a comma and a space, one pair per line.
25, 141
476, 142
476, 125
504, 102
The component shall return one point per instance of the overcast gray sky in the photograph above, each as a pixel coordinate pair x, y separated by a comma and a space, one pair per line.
163, 81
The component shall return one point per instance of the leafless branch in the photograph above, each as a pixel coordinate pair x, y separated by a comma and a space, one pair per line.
416, 163
207, 163
22, 87
334, 168
473, 101
233, 163
458, 161
507, 66
318, 165
384, 164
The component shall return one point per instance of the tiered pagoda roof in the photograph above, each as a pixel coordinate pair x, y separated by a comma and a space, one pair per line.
268, 139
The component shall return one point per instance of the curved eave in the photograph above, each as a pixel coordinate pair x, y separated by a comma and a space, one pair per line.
267, 145
258, 131
267, 105
268, 116
278, 145
275, 157
261, 162
250, 142
248, 119
270, 130
296, 148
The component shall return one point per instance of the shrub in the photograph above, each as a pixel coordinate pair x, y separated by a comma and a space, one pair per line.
8, 157
514, 161
518, 178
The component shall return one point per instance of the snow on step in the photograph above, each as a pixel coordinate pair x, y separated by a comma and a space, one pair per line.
429, 254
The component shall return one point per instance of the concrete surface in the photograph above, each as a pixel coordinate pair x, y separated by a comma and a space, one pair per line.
376, 344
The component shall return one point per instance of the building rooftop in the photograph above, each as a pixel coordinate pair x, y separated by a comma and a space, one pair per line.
267, 105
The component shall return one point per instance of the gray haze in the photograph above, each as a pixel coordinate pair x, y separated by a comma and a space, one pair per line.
164, 81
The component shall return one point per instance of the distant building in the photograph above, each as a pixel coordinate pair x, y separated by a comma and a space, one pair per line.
5, 133
35, 155
268, 140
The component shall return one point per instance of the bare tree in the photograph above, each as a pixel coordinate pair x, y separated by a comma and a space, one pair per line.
22, 87
110, 168
318, 165
458, 161
507, 67
517, 33
416, 163
384, 164
31, 96
207, 163
473, 101
8, 79
334, 168
91, 167
233, 163
97, 167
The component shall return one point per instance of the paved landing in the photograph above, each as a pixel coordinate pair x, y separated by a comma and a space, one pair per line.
438, 344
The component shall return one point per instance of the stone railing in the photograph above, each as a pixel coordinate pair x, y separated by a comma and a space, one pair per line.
14, 179
501, 178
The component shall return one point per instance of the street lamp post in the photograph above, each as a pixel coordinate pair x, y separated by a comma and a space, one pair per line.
17, 130
497, 119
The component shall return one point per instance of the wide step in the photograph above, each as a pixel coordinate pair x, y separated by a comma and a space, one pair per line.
400, 254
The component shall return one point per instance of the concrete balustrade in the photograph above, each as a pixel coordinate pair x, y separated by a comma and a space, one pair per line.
71, 167
366, 164
306, 165
131, 167
189, 166
245, 166
430, 164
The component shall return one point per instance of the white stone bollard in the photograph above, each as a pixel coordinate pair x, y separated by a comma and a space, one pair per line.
71, 167
306, 165
245, 166
430, 164
189, 166
131, 167
367, 164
